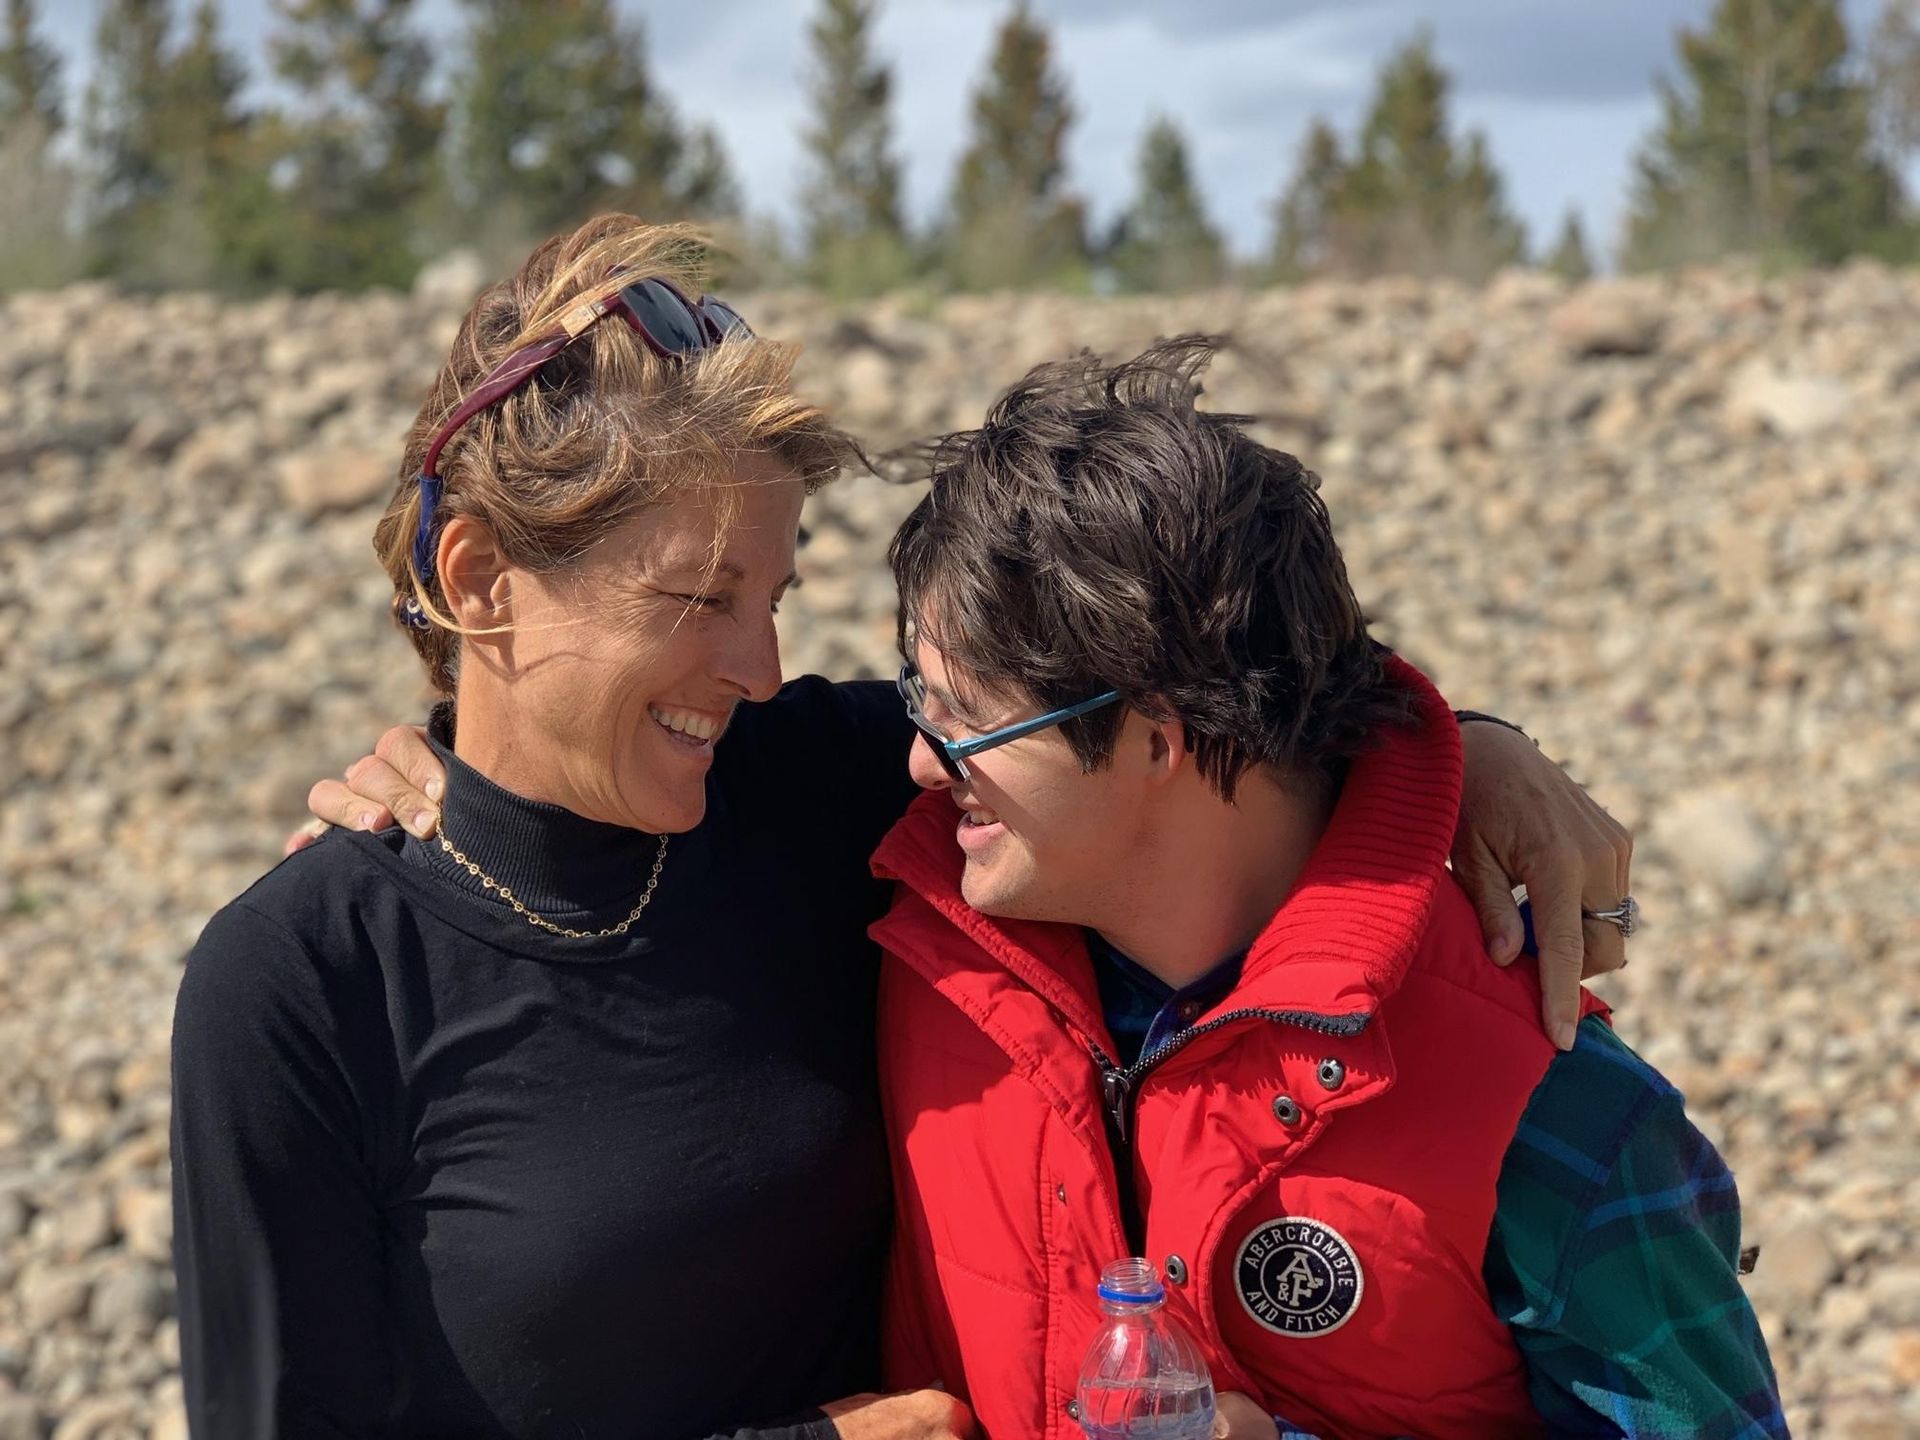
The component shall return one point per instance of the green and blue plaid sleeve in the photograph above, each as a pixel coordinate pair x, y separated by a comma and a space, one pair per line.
1614, 1259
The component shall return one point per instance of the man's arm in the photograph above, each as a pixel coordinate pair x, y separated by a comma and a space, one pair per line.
1614, 1259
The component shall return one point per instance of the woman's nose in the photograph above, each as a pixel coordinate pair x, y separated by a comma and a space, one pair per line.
753, 661
925, 768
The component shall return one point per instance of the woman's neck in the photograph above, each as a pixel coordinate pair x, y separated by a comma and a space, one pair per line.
556, 863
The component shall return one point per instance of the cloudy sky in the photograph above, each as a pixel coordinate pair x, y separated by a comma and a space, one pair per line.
1563, 88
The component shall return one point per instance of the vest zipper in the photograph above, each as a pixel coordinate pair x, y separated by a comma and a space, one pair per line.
1119, 1087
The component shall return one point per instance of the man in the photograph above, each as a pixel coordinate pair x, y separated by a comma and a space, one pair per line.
1178, 969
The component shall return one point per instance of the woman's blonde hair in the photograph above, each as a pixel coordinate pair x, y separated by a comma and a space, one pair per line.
602, 431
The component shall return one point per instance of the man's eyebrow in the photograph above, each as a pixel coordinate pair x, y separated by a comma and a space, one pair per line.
947, 702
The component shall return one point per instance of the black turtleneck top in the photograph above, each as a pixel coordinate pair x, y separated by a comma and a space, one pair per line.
439, 1172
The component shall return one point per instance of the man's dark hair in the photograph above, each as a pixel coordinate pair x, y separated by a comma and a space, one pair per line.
1099, 532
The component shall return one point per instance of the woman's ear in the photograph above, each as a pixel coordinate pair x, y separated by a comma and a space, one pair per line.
474, 576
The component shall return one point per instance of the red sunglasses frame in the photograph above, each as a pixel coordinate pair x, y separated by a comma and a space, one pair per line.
713, 318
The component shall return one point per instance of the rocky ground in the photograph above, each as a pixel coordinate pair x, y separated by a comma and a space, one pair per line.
1673, 527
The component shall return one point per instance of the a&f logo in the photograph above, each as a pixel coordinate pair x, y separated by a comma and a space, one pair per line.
1298, 1277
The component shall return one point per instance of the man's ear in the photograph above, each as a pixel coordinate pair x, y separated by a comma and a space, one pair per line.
1166, 742
474, 576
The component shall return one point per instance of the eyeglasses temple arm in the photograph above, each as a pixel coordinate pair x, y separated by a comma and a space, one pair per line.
961, 749
502, 381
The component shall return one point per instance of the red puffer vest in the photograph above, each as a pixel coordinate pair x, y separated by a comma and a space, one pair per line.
1316, 1164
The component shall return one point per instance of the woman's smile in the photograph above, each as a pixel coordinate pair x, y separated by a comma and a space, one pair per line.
693, 731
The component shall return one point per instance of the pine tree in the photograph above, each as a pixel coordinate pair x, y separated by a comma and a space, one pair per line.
1569, 258
855, 237
1411, 201
202, 138
1010, 220
1303, 215
29, 74
557, 118
35, 250
1165, 241
360, 150
124, 129
1764, 146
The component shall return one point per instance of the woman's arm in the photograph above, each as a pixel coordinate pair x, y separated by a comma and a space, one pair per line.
276, 1239
1524, 821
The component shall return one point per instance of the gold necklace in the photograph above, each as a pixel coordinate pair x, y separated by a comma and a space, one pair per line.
488, 882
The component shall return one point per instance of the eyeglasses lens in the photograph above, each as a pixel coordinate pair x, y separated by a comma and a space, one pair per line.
673, 326
725, 317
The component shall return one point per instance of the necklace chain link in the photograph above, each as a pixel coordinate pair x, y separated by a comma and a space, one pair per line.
532, 918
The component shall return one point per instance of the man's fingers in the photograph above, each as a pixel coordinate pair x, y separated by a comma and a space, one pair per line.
335, 802
405, 749
303, 837
1487, 886
379, 784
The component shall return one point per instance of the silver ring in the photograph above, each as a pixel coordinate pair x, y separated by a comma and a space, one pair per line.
1625, 917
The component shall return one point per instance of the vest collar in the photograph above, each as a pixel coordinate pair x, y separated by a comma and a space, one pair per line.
1338, 947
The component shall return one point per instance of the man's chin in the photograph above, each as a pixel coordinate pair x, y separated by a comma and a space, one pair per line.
992, 895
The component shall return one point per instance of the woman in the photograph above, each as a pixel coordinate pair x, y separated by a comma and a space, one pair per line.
563, 1122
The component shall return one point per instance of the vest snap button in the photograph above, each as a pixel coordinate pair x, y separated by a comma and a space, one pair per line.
1060, 1193
1176, 1270
1073, 1409
1286, 1110
1331, 1073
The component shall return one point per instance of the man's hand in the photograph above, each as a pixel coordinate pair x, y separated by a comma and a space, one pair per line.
910, 1415
1524, 822
1236, 1417
401, 782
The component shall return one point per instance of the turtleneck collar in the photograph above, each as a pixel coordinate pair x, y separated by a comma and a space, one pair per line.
565, 867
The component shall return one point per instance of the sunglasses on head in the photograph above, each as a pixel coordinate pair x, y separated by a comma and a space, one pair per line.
952, 754
667, 322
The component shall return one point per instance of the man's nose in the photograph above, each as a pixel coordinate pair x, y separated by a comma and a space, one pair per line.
927, 771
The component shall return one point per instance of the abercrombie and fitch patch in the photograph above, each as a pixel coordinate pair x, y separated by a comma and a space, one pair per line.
1298, 1277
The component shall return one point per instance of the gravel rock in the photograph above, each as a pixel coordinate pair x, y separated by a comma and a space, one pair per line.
1715, 837
20, 1418
1608, 320
1672, 526
316, 482
450, 282
1797, 1262
1791, 405
48, 1296
127, 1297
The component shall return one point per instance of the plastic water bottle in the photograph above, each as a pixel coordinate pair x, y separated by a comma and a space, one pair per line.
1143, 1378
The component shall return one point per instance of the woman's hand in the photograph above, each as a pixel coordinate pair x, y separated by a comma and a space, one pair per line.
400, 783
1236, 1417
1524, 822
910, 1415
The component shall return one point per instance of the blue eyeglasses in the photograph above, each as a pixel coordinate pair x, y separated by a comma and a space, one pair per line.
952, 754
